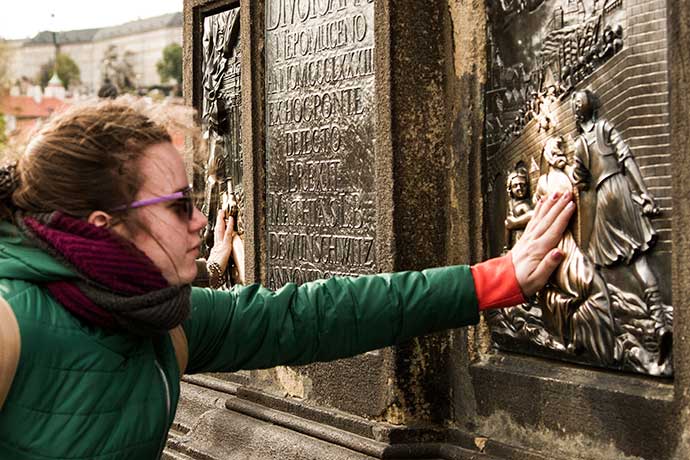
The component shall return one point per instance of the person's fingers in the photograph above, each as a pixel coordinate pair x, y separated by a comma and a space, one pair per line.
238, 249
534, 256
535, 213
552, 209
542, 272
219, 230
238, 257
230, 229
543, 205
554, 232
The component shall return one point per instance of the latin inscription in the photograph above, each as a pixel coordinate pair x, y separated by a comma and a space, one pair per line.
321, 209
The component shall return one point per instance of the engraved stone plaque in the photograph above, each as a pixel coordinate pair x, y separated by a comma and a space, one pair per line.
577, 101
320, 112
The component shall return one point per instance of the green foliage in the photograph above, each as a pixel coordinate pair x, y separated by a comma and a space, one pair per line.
67, 71
170, 65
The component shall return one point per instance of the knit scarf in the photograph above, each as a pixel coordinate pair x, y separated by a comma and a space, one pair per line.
117, 287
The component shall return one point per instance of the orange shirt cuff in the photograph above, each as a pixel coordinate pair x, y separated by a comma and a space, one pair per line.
495, 283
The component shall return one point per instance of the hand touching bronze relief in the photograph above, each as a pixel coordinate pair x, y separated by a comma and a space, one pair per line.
226, 254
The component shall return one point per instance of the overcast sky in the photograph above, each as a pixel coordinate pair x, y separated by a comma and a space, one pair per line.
25, 18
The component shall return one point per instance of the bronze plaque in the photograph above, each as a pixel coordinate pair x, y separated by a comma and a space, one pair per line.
320, 111
578, 100
220, 117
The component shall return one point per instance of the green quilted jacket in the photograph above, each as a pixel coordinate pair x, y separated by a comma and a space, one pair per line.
82, 393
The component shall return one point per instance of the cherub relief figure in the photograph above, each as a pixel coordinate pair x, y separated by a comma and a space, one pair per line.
524, 321
520, 209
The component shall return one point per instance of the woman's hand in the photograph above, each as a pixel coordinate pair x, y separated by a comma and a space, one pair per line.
223, 234
238, 258
535, 255
228, 243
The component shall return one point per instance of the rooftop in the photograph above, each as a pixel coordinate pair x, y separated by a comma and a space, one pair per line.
27, 107
89, 35
70, 36
141, 25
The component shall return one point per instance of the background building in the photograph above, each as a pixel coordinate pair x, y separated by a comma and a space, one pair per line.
142, 41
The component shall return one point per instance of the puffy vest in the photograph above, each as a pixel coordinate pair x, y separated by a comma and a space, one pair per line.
115, 394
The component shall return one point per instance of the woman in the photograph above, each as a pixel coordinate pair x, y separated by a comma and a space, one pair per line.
97, 254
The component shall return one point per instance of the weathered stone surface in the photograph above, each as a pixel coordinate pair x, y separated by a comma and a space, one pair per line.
221, 434
213, 424
569, 401
679, 57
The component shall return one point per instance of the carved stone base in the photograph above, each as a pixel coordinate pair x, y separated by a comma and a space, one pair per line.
217, 420
606, 409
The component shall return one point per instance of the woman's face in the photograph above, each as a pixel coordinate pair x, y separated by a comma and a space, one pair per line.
168, 237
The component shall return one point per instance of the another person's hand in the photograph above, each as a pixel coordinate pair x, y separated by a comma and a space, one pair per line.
228, 243
535, 255
238, 258
223, 234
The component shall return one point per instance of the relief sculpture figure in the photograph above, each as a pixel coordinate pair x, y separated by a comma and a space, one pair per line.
618, 229
520, 207
522, 321
576, 306
580, 312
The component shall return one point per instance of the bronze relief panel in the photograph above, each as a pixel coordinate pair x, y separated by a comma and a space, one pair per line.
578, 100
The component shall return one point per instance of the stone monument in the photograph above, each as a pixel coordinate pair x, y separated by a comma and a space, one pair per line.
365, 136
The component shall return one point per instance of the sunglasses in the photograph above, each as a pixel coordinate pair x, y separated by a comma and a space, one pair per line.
183, 203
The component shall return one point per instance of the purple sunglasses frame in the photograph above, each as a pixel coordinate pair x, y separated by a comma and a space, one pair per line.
184, 194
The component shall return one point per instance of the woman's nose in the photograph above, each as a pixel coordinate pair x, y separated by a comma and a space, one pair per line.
198, 220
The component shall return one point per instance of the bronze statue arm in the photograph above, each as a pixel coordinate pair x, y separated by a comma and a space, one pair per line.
648, 203
515, 223
578, 174
633, 173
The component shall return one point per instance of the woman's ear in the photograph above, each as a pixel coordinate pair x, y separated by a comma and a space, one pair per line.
99, 219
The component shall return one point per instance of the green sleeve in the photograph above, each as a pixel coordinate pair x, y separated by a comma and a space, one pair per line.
252, 327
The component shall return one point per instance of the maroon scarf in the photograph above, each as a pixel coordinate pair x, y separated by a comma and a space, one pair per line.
117, 286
